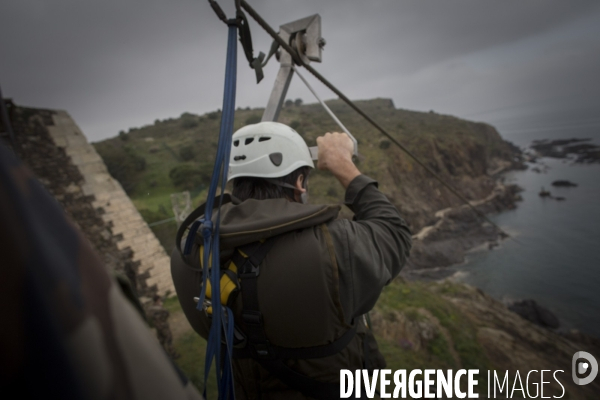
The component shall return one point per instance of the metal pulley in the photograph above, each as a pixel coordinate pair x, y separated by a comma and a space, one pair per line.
304, 36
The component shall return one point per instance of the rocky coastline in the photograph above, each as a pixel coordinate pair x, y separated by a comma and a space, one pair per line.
457, 230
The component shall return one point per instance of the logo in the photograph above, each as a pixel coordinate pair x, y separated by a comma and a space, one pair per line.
584, 364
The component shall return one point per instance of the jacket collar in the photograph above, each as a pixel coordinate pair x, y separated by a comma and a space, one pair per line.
253, 220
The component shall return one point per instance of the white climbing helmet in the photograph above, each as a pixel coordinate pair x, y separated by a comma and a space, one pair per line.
267, 150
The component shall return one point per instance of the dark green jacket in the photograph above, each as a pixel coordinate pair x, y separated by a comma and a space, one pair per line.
320, 277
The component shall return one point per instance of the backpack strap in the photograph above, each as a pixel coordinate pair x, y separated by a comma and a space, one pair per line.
248, 259
248, 271
194, 215
302, 353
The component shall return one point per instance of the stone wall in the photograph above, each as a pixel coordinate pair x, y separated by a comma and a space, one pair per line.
54, 147
117, 209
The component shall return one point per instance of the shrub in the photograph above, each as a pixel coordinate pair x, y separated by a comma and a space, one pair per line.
186, 153
188, 121
214, 114
253, 119
298, 102
295, 124
124, 165
154, 216
189, 176
138, 162
123, 136
289, 103
384, 144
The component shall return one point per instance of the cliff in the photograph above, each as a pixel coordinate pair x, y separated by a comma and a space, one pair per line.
451, 326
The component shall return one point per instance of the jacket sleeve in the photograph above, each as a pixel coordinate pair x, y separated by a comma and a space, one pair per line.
371, 249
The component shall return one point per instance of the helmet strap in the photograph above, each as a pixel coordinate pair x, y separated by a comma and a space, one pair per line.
303, 196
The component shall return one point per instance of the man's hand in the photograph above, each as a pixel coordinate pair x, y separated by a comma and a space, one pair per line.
335, 155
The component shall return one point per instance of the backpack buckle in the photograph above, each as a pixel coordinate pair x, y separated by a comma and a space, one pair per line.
249, 270
252, 317
263, 350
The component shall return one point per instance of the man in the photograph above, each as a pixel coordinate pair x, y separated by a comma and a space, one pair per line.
310, 277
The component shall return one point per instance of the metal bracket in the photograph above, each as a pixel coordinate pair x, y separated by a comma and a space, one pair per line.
305, 36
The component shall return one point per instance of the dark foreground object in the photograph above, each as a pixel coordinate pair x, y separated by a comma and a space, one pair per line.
68, 332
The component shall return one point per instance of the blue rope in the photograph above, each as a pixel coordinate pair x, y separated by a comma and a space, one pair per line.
222, 317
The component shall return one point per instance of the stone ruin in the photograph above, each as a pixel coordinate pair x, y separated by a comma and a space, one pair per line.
58, 153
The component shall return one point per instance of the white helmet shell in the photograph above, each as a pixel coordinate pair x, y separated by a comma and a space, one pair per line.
267, 150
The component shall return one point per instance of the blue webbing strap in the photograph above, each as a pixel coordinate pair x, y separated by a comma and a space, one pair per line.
222, 317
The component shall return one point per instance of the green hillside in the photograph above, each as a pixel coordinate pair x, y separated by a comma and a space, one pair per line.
173, 155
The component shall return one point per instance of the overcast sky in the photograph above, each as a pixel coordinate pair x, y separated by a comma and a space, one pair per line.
114, 64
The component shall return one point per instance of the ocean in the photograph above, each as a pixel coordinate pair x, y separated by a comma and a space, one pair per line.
555, 259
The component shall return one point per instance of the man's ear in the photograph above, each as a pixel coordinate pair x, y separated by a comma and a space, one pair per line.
300, 186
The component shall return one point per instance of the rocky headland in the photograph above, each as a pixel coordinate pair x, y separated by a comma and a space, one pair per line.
578, 150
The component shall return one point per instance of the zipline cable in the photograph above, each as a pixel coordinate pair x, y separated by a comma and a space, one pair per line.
296, 58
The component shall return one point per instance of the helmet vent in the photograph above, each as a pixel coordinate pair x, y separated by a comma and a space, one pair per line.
237, 158
236, 143
249, 140
264, 138
276, 158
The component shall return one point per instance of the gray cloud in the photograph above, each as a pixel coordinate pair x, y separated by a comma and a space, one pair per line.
115, 64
